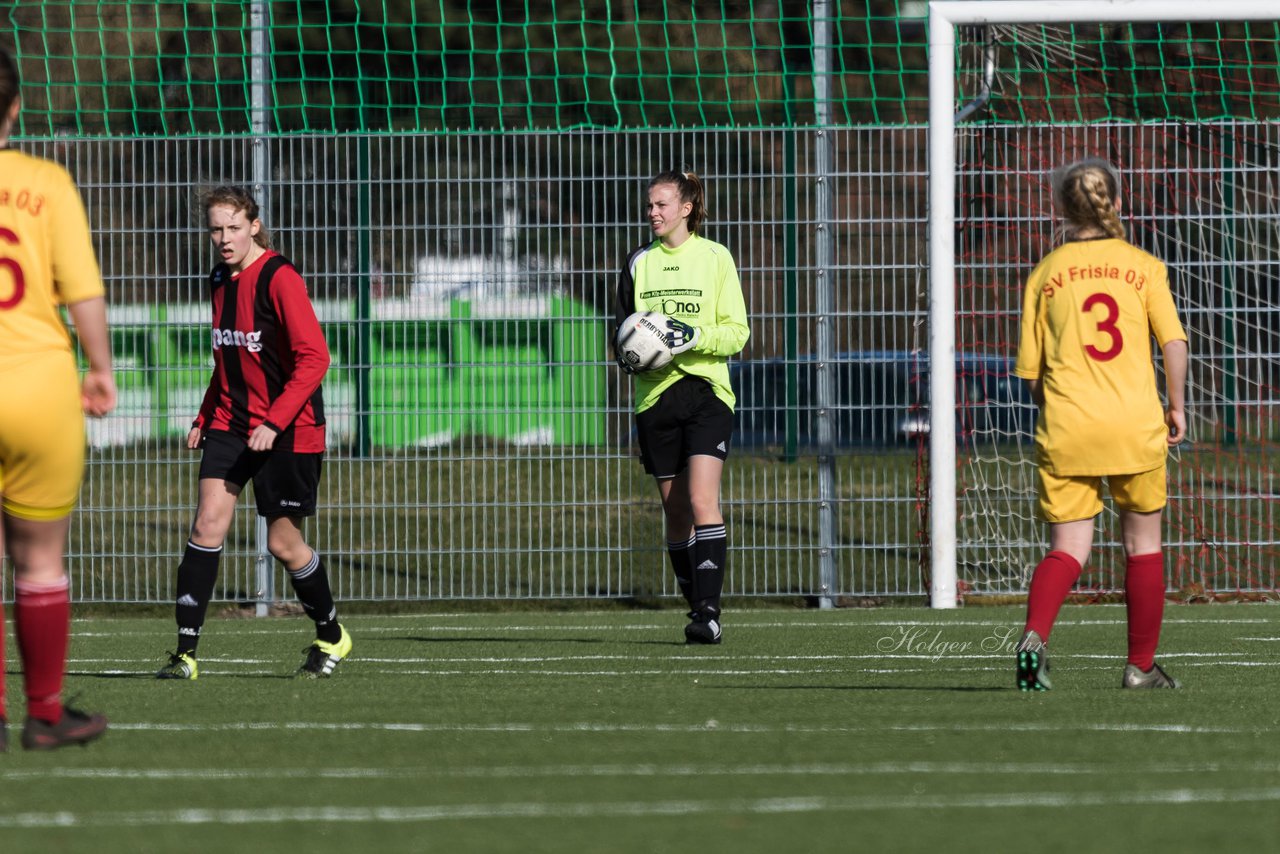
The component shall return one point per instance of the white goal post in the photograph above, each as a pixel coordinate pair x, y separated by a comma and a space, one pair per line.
944, 17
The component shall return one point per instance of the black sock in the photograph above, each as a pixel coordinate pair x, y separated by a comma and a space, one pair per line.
709, 551
311, 584
197, 574
681, 555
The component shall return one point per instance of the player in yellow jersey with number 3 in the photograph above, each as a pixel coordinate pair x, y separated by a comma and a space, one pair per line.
1089, 311
46, 258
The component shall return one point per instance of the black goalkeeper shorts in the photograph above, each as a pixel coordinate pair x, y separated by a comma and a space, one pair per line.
688, 420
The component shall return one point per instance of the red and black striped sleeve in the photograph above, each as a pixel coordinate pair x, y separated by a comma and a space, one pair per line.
302, 336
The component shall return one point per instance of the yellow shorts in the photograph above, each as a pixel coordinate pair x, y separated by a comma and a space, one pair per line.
1069, 499
41, 436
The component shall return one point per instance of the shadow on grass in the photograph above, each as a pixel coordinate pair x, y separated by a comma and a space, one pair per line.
962, 688
493, 640
151, 675
527, 640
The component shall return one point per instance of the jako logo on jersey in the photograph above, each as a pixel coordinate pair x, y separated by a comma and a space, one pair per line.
251, 341
675, 306
674, 269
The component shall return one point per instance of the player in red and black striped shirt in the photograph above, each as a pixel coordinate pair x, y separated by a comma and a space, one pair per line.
262, 419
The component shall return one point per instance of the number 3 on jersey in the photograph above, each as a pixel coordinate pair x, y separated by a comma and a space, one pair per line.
15, 270
1106, 326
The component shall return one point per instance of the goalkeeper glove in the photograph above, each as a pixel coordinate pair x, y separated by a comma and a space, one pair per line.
681, 336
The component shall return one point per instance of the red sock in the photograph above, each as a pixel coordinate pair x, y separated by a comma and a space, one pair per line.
1144, 602
42, 621
1050, 583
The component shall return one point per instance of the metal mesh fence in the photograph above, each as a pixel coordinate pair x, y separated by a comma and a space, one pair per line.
480, 435
459, 186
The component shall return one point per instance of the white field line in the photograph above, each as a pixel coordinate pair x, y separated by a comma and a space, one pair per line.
1108, 663
1116, 664
624, 674
775, 671
680, 669
515, 659
700, 673
913, 616
425, 624
707, 726
500, 671
519, 772
949, 653
632, 809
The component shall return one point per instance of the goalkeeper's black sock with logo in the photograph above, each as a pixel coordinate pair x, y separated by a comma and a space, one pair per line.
709, 551
311, 584
197, 575
681, 555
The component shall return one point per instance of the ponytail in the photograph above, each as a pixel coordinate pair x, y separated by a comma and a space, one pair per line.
1087, 192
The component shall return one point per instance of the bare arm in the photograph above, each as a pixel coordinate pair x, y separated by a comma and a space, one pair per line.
1036, 387
1175, 385
98, 389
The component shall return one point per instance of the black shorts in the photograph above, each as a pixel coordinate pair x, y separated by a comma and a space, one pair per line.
285, 483
688, 420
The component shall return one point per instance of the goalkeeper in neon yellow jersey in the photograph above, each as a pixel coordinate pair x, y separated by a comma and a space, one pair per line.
1089, 312
684, 412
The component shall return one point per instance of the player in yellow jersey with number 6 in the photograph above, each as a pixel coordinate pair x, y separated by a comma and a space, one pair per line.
46, 259
1089, 312
684, 411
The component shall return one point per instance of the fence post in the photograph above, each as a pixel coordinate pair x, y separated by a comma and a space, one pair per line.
259, 97
824, 369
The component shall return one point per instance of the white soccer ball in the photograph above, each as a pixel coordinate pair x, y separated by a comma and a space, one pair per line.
642, 341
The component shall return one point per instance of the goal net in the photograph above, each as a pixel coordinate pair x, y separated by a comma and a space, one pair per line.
1190, 113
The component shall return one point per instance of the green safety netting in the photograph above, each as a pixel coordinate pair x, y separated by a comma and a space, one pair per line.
126, 68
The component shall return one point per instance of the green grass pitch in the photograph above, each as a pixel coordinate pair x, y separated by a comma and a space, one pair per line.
891, 729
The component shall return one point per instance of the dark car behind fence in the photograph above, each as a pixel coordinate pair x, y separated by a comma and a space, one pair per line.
878, 399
